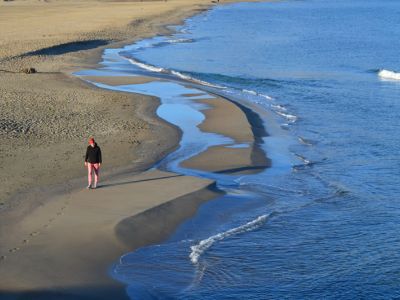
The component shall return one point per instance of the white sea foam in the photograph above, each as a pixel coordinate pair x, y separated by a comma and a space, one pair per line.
180, 75
250, 92
389, 74
303, 159
257, 94
146, 66
305, 141
152, 68
176, 41
289, 117
266, 97
278, 107
200, 248
189, 78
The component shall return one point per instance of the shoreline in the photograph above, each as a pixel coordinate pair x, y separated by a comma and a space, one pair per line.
124, 234
52, 259
196, 197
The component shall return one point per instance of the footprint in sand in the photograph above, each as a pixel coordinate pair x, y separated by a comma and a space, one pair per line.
51, 220
13, 250
3, 257
34, 233
26, 241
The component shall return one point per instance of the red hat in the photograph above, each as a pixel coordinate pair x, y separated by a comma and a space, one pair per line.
91, 140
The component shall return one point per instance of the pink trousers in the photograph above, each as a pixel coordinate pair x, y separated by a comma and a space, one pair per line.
91, 168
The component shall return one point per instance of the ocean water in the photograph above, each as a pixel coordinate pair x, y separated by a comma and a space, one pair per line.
323, 222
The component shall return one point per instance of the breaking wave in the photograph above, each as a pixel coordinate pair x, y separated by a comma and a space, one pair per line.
289, 117
147, 67
178, 74
200, 248
257, 94
305, 141
278, 107
189, 78
389, 74
177, 41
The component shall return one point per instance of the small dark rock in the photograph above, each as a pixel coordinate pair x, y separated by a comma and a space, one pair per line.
29, 70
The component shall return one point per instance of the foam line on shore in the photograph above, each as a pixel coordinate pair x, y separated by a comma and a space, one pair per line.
155, 69
198, 249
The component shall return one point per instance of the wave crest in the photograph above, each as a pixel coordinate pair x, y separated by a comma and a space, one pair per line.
387, 74
178, 74
200, 248
146, 66
289, 117
257, 94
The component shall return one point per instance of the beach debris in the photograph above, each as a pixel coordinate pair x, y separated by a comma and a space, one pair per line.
29, 70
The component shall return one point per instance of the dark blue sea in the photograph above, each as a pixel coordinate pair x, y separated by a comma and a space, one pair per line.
324, 221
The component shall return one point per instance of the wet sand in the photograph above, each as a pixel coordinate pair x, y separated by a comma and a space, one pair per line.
119, 80
227, 118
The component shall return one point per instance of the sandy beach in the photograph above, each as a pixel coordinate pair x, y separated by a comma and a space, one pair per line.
58, 240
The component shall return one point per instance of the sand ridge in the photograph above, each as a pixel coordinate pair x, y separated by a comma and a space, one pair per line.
243, 155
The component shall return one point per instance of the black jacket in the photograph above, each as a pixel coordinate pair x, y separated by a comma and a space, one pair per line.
93, 154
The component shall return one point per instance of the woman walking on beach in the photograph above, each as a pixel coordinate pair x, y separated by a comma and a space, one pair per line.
93, 162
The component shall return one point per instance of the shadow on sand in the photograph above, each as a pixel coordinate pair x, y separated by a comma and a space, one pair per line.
68, 48
136, 181
227, 171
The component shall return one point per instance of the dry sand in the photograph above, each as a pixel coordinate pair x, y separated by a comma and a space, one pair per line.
44, 130
226, 118
57, 240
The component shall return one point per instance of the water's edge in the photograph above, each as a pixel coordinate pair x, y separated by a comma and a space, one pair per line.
259, 156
